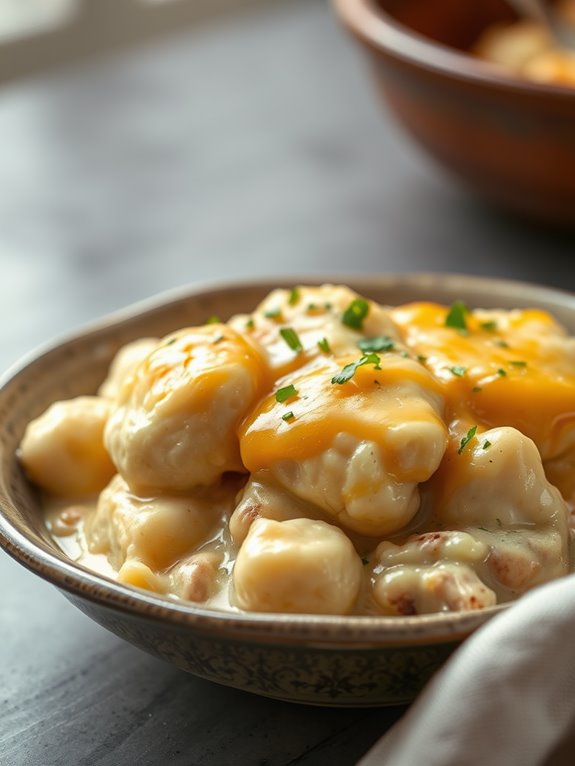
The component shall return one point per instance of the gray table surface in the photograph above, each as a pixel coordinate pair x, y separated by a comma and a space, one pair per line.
252, 146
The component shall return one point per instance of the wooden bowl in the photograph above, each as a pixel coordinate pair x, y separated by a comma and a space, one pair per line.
511, 140
339, 661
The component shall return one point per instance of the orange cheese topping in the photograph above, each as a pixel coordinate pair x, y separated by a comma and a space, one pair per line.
368, 406
196, 361
507, 368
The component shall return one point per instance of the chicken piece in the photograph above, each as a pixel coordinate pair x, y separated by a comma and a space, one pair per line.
156, 531
296, 566
124, 365
355, 448
440, 587
326, 320
176, 427
63, 450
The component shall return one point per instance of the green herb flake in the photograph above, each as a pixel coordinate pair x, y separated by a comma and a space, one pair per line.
171, 341
292, 339
381, 343
324, 346
466, 439
250, 324
476, 389
273, 313
355, 313
501, 343
219, 339
421, 358
456, 316
486, 444
349, 370
294, 296
213, 319
490, 326
458, 371
502, 373
518, 363
285, 393
288, 416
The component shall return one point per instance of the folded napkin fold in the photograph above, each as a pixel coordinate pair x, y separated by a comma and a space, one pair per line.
506, 696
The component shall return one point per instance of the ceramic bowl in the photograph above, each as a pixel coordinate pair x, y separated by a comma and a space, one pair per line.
509, 139
343, 661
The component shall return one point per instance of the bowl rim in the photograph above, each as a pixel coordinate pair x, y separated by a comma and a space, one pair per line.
348, 631
375, 26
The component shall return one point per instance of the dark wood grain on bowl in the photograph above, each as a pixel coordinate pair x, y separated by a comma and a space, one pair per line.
510, 140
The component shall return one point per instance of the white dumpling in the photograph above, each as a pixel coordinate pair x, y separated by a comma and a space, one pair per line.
63, 450
329, 319
177, 426
296, 566
123, 366
155, 531
358, 450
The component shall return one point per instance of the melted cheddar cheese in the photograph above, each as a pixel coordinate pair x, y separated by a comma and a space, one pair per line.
326, 454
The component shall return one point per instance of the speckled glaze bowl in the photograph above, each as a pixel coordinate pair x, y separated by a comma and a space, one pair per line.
509, 139
338, 661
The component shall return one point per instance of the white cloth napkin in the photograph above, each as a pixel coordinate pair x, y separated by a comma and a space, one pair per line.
507, 695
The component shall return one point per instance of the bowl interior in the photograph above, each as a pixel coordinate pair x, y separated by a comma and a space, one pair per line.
78, 364
453, 23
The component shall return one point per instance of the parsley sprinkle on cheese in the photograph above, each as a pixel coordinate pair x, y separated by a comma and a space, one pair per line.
458, 371
292, 339
285, 393
288, 416
381, 343
466, 439
324, 346
355, 313
489, 326
273, 313
486, 444
501, 372
294, 296
518, 363
457, 316
349, 370
213, 320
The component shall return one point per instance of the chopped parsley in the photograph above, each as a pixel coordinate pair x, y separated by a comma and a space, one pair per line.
349, 370
288, 416
456, 316
214, 319
466, 439
490, 326
294, 296
486, 444
501, 343
324, 346
476, 389
171, 341
250, 324
355, 313
273, 313
285, 393
458, 371
379, 343
518, 363
501, 372
421, 358
292, 339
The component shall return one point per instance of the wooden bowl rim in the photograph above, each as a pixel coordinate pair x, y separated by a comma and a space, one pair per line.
369, 22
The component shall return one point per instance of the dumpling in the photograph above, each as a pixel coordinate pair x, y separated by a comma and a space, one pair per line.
175, 427
63, 449
356, 448
297, 566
